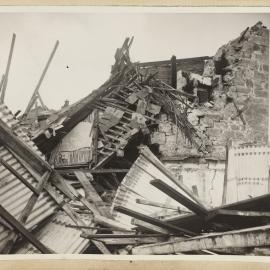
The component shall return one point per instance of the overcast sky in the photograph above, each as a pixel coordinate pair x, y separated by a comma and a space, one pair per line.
88, 42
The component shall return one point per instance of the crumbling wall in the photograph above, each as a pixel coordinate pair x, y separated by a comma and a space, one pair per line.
239, 103
204, 177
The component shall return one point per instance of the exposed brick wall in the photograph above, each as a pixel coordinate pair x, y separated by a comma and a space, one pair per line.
242, 67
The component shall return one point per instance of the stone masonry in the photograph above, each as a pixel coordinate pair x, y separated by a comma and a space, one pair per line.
240, 100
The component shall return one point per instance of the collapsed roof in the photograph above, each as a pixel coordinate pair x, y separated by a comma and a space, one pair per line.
104, 188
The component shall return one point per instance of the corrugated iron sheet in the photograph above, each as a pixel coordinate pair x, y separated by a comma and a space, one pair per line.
248, 172
14, 195
7, 117
56, 236
136, 185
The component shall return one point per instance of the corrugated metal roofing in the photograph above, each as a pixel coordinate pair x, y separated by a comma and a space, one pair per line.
248, 172
56, 236
136, 185
14, 195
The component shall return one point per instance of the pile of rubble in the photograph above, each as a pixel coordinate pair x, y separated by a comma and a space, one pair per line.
142, 164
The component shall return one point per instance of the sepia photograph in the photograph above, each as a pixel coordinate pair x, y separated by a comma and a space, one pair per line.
134, 132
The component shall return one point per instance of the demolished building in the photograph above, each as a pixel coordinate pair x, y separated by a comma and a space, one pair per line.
168, 157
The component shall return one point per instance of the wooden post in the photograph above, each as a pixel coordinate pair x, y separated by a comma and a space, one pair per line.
95, 138
23, 231
173, 72
153, 221
149, 156
3, 92
182, 199
225, 175
35, 94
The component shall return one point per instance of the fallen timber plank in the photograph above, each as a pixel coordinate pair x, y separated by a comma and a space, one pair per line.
34, 96
102, 171
142, 225
159, 205
130, 241
33, 199
252, 237
20, 177
97, 171
5, 81
171, 192
23, 231
196, 223
98, 218
101, 236
108, 222
22, 149
69, 211
90, 193
225, 212
98, 228
28, 208
152, 220
145, 151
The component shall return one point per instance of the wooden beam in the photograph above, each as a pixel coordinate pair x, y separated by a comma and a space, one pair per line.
28, 208
148, 227
35, 94
225, 212
69, 211
225, 183
152, 220
3, 92
182, 199
103, 171
252, 237
108, 222
130, 241
33, 199
159, 205
2, 82
98, 228
24, 151
90, 193
41, 101
173, 72
148, 155
95, 136
23, 231
100, 236
19, 177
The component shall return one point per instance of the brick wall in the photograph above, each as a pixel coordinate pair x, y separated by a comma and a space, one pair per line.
240, 109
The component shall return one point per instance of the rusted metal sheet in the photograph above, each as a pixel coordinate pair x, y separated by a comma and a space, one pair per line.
136, 185
248, 172
59, 236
